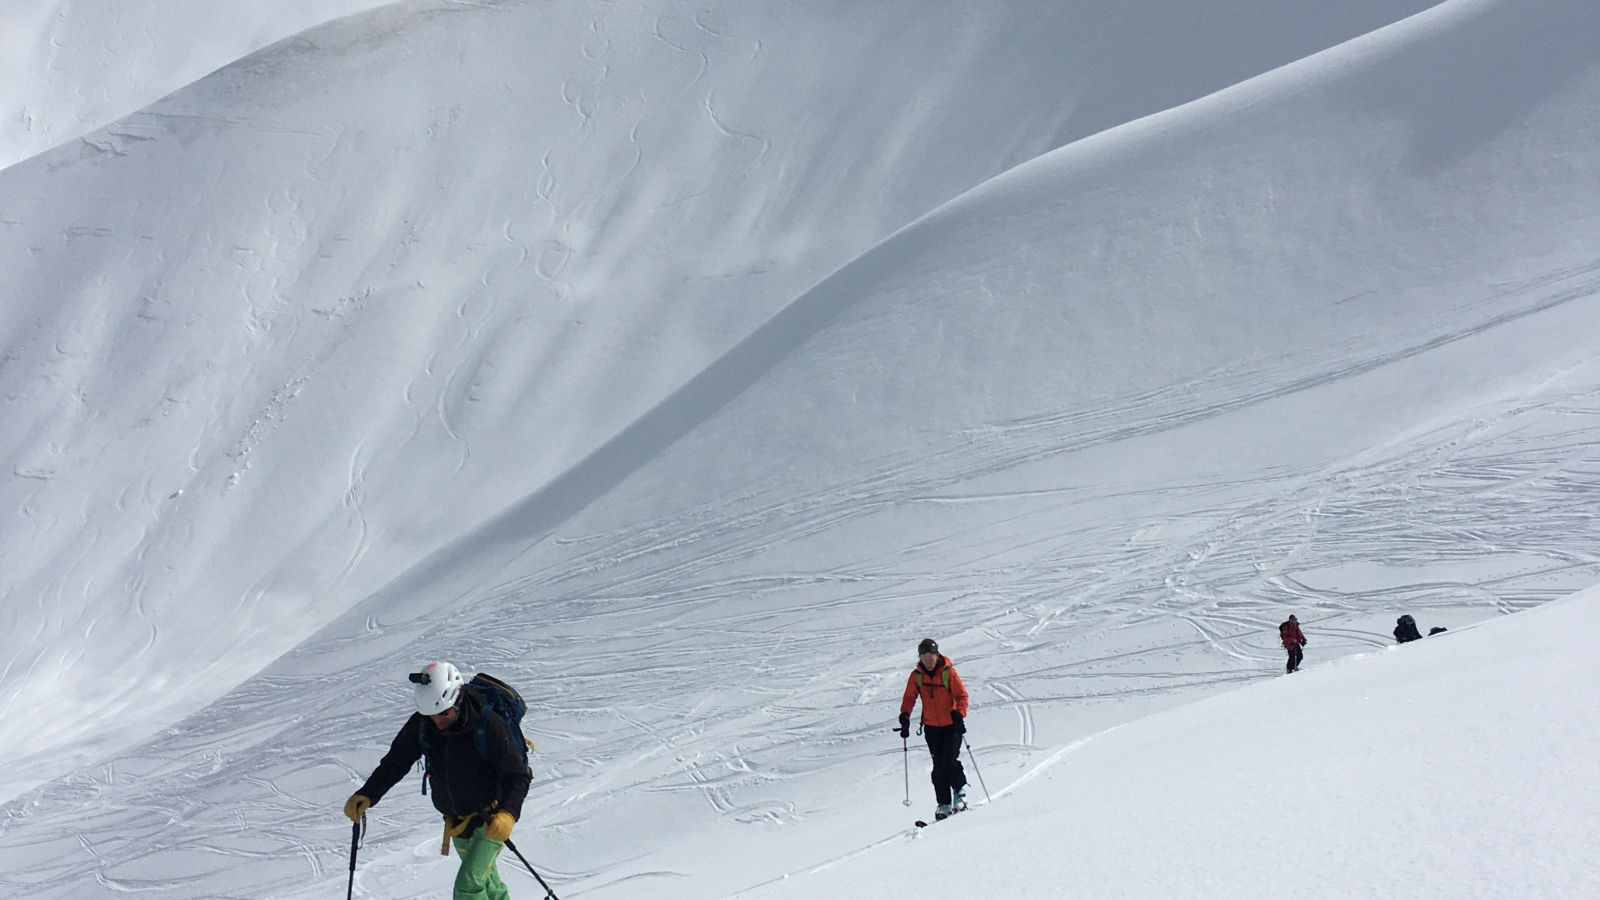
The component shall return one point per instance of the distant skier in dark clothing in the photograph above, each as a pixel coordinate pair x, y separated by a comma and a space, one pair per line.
944, 710
1293, 640
1405, 630
479, 789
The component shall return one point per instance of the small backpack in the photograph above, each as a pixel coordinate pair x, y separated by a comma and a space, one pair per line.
505, 702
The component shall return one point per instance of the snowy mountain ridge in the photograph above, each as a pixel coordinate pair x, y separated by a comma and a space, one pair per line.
399, 281
1322, 342
71, 68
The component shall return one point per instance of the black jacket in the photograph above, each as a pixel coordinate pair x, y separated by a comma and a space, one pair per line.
464, 782
1406, 632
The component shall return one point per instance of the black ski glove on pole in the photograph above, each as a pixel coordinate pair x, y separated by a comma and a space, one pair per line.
905, 725
956, 720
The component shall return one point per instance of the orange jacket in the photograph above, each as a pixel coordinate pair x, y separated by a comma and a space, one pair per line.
941, 691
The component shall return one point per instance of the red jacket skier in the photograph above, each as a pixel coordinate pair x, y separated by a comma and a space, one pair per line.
1293, 640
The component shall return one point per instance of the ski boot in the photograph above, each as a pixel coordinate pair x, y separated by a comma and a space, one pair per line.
958, 800
943, 812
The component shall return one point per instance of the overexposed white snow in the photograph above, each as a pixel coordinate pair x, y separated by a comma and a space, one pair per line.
685, 363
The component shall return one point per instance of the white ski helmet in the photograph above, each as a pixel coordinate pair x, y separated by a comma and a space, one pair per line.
437, 687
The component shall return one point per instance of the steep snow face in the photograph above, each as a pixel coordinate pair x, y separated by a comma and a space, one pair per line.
1321, 343
280, 335
71, 67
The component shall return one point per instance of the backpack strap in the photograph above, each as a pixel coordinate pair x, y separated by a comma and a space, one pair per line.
427, 767
946, 678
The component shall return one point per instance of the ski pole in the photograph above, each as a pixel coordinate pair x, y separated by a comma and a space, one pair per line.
549, 892
905, 763
357, 829
974, 758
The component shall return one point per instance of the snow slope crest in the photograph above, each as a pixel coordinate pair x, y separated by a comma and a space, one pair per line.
68, 69
1097, 425
283, 333
1444, 769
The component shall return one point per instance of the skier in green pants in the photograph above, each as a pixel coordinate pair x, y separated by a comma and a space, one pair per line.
478, 776
478, 879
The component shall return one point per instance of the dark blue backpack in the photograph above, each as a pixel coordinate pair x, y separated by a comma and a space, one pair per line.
506, 703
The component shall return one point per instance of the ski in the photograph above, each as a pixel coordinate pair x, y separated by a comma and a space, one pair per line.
922, 824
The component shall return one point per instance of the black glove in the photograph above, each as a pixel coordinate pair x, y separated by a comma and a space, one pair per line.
905, 725
958, 722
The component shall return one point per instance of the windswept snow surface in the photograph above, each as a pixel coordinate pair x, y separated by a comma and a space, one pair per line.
1322, 342
280, 335
1453, 769
71, 67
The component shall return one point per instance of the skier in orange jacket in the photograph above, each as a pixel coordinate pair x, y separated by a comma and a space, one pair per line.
944, 710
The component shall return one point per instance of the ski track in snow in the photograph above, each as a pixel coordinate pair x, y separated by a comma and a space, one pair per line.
1081, 614
678, 679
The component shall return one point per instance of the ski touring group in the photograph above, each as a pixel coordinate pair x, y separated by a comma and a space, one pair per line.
1294, 640
468, 737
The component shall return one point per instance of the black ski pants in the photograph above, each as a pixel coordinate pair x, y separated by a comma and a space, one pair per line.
1295, 655
944, 742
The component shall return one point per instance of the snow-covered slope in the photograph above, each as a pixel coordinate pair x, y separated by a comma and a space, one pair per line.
71, 67
1454, 768
1321, 342
1096, 424
276, 337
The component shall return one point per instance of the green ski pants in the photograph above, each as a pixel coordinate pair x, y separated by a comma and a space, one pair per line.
478, 879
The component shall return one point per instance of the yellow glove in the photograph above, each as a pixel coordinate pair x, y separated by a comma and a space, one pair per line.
499, 827
356, 807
